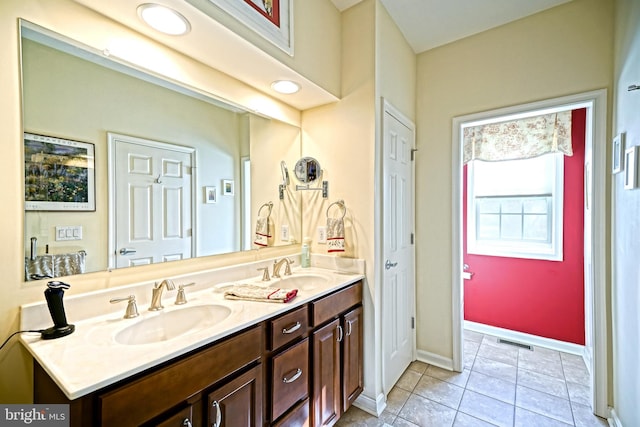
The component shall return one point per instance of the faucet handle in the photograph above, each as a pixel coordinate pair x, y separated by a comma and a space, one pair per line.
180, 297
132, 308
265, 274
287, 268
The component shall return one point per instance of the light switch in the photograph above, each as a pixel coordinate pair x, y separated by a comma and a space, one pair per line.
322, 235
72, 232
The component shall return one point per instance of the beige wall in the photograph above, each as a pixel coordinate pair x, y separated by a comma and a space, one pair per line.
561, 51
74, 21
625, 293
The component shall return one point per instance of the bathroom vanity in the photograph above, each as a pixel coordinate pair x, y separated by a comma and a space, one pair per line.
291, 364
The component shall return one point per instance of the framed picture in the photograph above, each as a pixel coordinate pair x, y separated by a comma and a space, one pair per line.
272, 19
227, 187
618, 148
59, 174
210, 194
630, 168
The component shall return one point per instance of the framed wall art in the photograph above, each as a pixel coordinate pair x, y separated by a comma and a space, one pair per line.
210, 195
630, 168
617, 153
227, 187
272, 19
59, 174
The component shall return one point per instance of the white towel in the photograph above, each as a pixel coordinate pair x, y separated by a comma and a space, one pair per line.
262, 232
335, 235
259, 293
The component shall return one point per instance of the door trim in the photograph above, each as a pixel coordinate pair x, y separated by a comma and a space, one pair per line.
112, 140
596, 104
388, 108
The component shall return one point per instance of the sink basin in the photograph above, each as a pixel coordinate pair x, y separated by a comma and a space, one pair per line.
302, 282
172, 324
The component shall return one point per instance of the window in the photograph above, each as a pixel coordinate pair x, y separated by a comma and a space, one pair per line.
514, 208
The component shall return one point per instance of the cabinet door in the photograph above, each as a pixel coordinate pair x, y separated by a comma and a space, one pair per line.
352, 357
238, 402
326, 374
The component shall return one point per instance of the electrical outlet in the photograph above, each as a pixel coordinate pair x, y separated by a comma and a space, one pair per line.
322, 235
284, 233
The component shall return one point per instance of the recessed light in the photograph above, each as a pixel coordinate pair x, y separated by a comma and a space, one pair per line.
163, 19
285, 86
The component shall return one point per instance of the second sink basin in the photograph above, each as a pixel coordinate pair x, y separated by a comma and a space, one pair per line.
302, 282
167, 325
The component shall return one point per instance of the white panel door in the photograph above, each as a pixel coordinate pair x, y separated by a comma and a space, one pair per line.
152, 194
398, 289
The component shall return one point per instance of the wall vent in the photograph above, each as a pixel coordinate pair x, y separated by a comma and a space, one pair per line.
517, 344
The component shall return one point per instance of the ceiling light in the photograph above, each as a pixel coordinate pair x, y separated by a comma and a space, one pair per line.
163, 19
285, 86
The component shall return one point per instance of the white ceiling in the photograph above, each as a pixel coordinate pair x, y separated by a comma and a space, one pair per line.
431, 23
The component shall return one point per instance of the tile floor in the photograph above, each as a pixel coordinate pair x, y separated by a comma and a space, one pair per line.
503, 385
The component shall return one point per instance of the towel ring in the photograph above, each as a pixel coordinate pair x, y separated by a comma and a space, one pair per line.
268, 205
341, 204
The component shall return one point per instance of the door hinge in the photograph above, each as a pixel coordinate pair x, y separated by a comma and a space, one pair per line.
413, 153
412, 238
413, 322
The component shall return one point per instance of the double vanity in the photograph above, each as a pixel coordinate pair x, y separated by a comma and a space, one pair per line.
210, 360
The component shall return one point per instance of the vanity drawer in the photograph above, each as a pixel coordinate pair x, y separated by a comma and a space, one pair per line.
288, 327
290, 378
298, 417
332, 305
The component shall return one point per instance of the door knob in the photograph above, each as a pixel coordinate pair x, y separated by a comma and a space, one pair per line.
389, 264
127, 251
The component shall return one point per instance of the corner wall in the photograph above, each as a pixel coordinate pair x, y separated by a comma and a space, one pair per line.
625, 293
560, 51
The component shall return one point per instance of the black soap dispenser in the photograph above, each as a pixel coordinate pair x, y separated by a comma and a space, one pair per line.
53, 294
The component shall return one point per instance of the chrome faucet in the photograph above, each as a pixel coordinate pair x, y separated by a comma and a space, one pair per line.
156, 294
277, 265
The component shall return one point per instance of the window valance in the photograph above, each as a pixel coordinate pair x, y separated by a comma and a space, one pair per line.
519, 139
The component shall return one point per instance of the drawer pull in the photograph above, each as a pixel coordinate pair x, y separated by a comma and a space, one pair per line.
293, 378
291, 329
187, 423
349, 328
218, 421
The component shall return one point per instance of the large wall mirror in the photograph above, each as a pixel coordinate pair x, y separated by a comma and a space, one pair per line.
173, 173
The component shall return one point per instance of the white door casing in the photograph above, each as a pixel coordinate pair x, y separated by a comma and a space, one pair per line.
150, 193
398, 284
595, 266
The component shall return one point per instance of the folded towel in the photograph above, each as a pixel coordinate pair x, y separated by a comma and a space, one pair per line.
335, 235
259, 293
262, 232
54, 265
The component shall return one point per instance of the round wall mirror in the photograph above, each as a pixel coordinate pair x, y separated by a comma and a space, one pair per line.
307, 170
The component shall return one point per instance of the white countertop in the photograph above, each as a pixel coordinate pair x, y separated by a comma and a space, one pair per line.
90, 358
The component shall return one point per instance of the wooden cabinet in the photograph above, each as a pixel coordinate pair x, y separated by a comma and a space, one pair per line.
337, 354
237, 403
302, 368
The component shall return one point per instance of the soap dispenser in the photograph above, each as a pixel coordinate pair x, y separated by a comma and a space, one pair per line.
305, 258
53, 294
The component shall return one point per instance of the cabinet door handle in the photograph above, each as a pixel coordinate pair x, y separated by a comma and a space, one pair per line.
291, 329
187, 422
349, 328
295, 376
340, 333
218, 421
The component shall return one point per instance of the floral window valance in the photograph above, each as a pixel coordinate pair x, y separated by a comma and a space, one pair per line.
519, 139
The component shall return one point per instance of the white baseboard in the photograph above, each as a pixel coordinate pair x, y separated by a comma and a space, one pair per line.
613, 419
370, 405
435, 359
521, 337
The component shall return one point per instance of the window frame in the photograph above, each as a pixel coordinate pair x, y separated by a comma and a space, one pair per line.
551, 251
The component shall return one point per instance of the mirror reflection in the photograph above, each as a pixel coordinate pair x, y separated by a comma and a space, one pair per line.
173, 174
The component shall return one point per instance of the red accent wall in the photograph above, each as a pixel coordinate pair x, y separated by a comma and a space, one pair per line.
543, 298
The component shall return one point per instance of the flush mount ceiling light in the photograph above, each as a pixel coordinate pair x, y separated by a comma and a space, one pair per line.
285, 86
163, 19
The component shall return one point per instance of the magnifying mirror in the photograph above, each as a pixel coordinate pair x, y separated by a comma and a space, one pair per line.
307, 170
